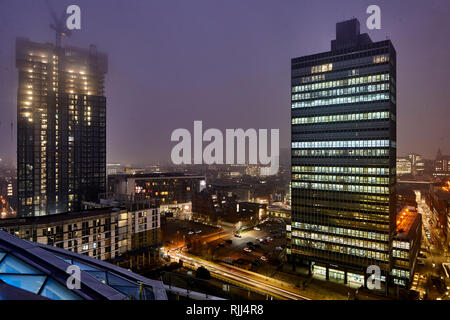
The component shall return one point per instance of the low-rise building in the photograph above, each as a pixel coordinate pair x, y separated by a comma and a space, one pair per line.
404, 166
167, 188
441, 168
279, 211
406, 246
439, 202
128, 236
251, 211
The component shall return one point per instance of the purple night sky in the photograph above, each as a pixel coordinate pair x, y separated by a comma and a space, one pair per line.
227, 63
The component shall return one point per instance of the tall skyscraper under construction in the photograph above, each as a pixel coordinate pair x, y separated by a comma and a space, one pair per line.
61, 116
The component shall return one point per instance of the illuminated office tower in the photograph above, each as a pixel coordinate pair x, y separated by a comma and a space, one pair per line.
61, 116
344, 157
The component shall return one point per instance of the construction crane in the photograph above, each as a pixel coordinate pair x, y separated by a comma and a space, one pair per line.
58, 25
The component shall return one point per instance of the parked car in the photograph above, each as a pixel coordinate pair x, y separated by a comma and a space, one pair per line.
420, 262
237, 235
263, 258
247, 249
229, 241
198, 231
256, 228
191, 232
249, 243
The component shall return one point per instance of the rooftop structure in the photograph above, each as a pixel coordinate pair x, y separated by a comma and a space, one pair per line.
42, 270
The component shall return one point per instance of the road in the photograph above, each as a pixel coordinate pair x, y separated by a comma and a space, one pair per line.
242, 278
436, 254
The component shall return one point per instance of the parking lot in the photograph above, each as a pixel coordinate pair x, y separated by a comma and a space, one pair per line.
252, 248
176, 232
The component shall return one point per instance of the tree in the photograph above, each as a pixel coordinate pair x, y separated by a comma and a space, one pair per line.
203, 273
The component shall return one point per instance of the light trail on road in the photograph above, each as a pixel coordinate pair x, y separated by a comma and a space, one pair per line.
246, 279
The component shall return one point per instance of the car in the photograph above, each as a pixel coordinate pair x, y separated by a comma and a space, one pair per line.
247, 249
249, 243
229, 241
421, 255
269, 239
278, 249
237, 235
421, 262
256, 263
263, 258
257, 229
191, 232
260, 239
198, 231
239, 261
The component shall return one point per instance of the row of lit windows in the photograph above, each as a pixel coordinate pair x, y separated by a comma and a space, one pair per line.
342, 117
322, 68
344, 170
342, 231
341, 217
313, 78
400, 244
400, 273
341, 83
340, 187
340, 144
342, 179
340, 249
381, 59
338, 208
343, 100
341, 240
400, 254
340, 92
349, 199
342, 153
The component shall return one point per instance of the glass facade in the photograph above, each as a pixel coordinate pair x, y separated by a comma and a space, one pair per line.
343, 159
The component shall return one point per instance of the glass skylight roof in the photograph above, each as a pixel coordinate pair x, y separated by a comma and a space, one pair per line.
10, 264
21, 265
20, 274
55, 291
30, 283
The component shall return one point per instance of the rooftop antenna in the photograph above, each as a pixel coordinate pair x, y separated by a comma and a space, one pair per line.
58, 25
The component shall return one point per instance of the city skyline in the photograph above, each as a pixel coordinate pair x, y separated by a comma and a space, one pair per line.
212, 91
140, 131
